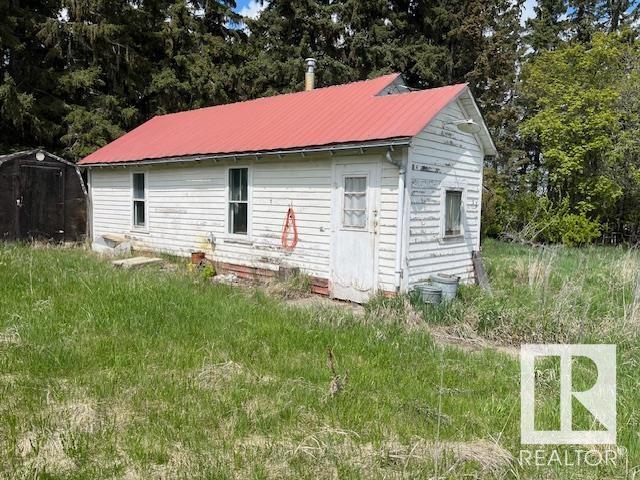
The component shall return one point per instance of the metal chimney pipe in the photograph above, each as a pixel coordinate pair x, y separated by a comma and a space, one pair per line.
310, 75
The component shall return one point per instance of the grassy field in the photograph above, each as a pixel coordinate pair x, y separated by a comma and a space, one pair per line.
107, 373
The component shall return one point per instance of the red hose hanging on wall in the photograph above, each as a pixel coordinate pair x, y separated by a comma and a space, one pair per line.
289, 225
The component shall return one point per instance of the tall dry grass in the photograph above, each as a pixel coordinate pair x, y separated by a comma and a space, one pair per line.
553, 294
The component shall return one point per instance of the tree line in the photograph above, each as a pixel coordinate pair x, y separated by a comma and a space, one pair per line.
560, 93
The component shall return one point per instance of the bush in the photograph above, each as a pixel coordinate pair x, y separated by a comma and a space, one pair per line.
572, 229
208, 271
532, 218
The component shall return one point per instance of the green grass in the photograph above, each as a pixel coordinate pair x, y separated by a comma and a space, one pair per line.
109, 373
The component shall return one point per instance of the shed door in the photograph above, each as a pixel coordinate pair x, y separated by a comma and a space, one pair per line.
354, 217
40, 203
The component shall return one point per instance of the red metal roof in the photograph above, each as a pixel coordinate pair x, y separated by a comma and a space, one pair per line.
340, 114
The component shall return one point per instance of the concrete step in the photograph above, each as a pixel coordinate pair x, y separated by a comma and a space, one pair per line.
136, 262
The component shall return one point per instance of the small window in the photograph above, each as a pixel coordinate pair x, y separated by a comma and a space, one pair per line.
139, 200
238, 200
355, 202
453, 213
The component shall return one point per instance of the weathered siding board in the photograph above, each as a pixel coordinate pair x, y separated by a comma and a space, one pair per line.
387, 223
186, 204
111, 194
440, 157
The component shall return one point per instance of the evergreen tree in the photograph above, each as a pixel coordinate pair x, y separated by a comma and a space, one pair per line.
287, 32
545, 30
370, 36
95, 45
121, 62
197, 58
28, 108
217, 16
583, 19
617, 15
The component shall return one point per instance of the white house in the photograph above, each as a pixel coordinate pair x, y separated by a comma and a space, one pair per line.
365, 187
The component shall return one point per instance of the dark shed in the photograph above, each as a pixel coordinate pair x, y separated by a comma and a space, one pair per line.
42, 196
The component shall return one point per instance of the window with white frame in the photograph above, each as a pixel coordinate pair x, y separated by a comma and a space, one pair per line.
453, 213
139, 200
355, 202
238, 200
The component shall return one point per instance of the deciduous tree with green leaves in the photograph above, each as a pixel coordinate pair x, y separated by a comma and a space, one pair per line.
584, 126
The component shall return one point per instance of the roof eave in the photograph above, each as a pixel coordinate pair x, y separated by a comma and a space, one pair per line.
338, 147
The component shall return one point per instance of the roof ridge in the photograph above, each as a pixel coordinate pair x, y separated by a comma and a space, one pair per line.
426, 90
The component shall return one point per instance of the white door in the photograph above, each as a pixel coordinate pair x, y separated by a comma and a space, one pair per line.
354, 218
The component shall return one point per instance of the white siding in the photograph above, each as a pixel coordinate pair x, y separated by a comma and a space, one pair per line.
186, 204
441, 157
387, 226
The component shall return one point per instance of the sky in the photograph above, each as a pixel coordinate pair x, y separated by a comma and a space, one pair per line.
251, 8
248, 8
528, 12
